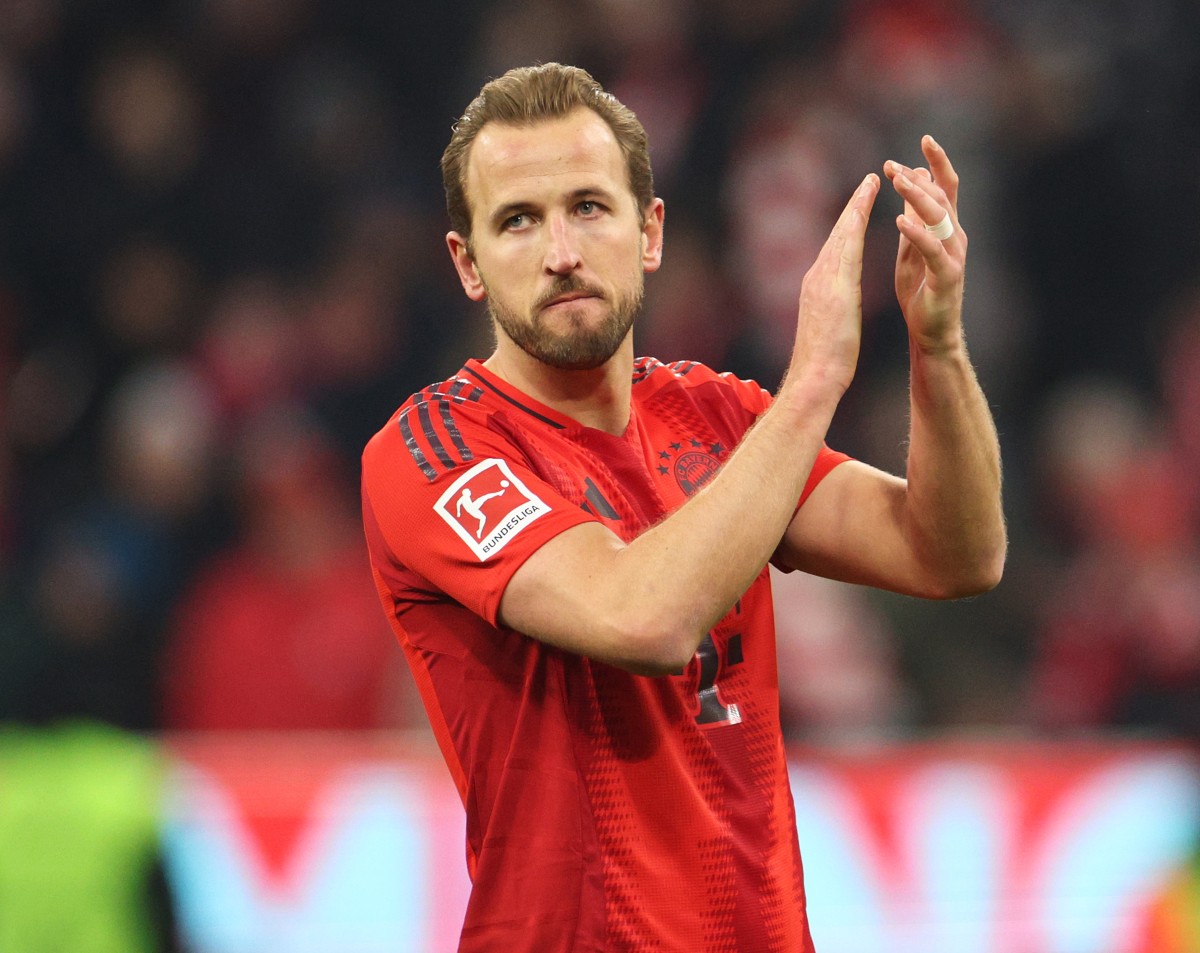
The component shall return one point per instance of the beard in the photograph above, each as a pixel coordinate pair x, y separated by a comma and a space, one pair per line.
579, 347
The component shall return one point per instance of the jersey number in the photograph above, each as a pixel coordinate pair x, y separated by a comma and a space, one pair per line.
712, 712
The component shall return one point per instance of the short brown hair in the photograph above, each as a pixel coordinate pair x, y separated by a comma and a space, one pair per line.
530, 94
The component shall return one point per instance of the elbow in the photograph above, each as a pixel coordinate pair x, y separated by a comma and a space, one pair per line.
975, 583
644, 648
969, 577
990, 565
994, 570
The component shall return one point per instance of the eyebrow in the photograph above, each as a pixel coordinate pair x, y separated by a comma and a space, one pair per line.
593, 191
505, 212
509, 209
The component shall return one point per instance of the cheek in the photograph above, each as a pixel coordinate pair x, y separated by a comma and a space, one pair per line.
614, 255
498, 273
514, 264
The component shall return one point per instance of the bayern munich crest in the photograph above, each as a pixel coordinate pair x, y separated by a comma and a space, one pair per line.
693, 463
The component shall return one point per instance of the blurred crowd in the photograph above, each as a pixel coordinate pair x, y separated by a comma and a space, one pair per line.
222, 267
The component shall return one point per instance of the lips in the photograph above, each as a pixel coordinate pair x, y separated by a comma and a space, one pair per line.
568, 298
573, 296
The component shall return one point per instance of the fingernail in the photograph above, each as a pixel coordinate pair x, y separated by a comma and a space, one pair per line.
903, 179
933, 142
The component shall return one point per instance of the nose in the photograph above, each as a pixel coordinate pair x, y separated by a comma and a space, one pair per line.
562, 252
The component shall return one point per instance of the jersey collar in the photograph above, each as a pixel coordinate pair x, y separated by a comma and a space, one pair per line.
475, 370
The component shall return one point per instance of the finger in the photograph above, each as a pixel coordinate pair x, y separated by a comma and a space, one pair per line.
919, 177
937, 256
858, 209
893, 169
943, 170
924, 197
924, 178
844, 247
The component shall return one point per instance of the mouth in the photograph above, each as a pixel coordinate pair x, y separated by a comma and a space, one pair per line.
568, 292
568, 298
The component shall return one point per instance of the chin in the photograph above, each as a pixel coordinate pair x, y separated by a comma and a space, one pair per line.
574, 355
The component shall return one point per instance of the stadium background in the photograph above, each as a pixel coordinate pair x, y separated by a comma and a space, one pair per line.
221, 268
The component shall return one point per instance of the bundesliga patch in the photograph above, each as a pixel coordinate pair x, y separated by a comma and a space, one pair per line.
488, 506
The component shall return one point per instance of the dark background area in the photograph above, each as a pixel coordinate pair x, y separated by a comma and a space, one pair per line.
222, 267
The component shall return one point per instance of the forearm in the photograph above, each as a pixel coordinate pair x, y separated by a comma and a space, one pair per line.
646, 605
710, 550
953, 512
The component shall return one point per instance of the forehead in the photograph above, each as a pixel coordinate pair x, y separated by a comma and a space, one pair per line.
532, 163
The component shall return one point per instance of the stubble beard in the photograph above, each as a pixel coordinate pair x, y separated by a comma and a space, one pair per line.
580, 347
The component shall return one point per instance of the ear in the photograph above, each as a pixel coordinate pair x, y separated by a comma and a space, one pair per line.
464, 264
652, 235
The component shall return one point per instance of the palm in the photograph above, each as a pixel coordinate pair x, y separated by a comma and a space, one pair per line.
927, 308
910, 275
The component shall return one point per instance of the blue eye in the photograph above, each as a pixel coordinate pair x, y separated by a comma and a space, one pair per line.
515, 221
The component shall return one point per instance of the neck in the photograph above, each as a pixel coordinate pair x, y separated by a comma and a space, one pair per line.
597, 398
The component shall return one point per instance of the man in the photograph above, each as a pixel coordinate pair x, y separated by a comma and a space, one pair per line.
598, 663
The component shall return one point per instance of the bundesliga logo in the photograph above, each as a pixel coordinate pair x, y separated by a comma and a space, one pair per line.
488, 506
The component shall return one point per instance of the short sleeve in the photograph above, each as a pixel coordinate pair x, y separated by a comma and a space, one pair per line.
755, 400
826, 460
465, 525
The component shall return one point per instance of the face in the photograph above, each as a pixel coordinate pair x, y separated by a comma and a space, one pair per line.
558, 247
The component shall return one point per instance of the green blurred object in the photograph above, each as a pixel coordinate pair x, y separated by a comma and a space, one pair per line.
79, 806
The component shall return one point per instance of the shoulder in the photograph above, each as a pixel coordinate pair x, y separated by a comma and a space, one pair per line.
430, 432
652, 377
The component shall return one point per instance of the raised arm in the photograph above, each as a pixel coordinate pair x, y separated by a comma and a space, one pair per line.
940, 532
647, 605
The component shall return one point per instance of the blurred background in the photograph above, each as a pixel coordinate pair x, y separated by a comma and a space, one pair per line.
222, 268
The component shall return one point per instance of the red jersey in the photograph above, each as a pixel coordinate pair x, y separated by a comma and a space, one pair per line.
606, 811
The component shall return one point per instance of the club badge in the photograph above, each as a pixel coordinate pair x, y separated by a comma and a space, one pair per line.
692, 462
